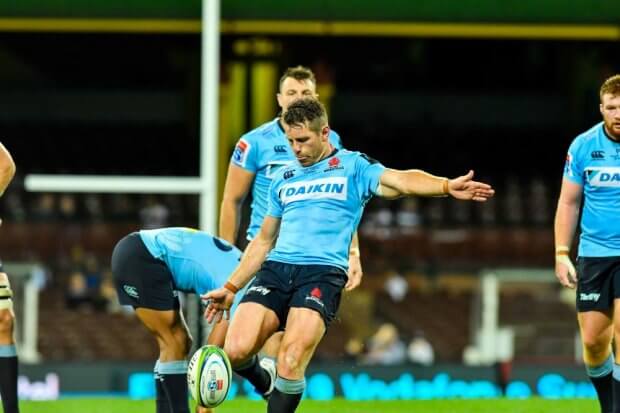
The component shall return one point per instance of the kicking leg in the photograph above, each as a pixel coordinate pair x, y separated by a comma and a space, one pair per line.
250, 327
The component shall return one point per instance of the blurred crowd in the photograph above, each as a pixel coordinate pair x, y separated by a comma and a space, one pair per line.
518, 204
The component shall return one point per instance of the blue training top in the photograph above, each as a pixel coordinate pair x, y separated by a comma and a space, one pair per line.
264, 151
321, 206
198, 261
593, 161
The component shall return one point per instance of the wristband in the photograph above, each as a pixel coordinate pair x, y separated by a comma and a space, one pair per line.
562, 250
445, 187
354, 251
231, 287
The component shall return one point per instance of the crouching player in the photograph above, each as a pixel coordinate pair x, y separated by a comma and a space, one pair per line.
149, 268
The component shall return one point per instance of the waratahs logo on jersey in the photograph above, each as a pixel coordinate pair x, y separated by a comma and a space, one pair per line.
604, 176
330, 188
333, 163
567, 164
240, 155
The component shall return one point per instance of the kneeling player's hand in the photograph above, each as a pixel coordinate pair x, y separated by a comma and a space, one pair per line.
218, 304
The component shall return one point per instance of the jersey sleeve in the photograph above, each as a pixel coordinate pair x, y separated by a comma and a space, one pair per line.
274, 204
245, 154
368, 172
573, 168
335, 140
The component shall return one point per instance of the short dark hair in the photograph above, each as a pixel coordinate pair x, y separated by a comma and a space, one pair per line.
299, 73
611, 86
306, 110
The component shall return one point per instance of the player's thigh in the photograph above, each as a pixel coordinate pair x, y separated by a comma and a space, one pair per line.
250, 327
161, 323
319, 288
271, 288
263, 309
596, 327
305, 328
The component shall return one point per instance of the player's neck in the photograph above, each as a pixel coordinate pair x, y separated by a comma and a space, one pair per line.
329, 150
610, 135
281, 123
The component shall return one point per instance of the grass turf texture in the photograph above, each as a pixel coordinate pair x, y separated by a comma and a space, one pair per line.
336, 406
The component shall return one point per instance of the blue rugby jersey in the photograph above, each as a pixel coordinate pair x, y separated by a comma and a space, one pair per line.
320, 207
264, 151
593, 161
198, 261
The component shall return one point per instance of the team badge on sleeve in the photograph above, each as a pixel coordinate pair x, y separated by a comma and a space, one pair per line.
240, 155
567, 165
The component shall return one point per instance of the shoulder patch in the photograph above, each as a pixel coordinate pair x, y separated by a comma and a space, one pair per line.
240, 154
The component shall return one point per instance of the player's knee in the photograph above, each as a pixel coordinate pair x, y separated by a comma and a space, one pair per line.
238, 350
290, 360
594, 345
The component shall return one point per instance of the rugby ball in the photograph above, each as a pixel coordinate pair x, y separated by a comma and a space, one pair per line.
209, 376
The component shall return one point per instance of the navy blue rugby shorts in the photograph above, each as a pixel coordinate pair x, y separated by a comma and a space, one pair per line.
142, 280
280, 286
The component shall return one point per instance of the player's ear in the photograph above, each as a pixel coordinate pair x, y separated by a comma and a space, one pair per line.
325, 132
600, 108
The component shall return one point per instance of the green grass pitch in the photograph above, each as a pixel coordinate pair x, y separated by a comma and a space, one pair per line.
534, 405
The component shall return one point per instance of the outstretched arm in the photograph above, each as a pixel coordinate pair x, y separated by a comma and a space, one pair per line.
395, 183
7, 168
